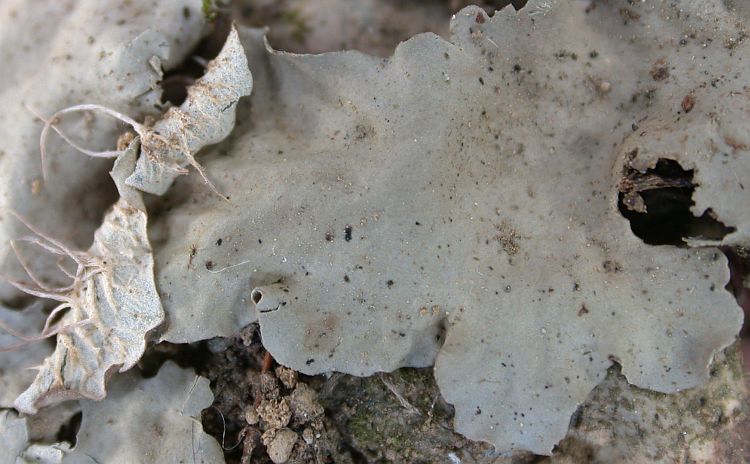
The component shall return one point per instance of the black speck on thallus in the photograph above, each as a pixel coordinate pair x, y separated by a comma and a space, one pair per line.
219, 242
348, 233
309, 361
389, 283
209, 265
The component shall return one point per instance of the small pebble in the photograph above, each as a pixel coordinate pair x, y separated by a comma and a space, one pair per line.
304, 404
269, 386
276, 413
279, 444
308, 435
251, 416
287, 376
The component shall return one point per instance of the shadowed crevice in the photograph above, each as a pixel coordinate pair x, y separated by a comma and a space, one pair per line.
657, 203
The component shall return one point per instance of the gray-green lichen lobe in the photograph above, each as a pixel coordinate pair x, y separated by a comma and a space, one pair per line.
391, 200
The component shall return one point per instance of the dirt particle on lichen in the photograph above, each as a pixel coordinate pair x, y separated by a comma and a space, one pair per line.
687, 103
583, 310
612, 266
508, 238
660, 70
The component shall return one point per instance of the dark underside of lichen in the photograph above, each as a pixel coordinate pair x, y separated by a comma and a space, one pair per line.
657, 204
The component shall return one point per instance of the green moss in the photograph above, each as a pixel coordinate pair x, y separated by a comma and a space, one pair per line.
378, 426
209, 9
362, 428
649, 394
734, 362
373, 430
299, 29
408, 375
627, 404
